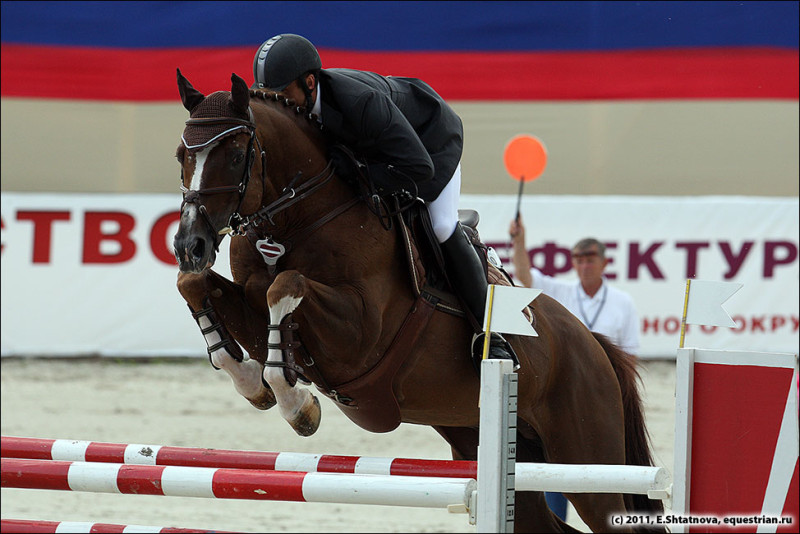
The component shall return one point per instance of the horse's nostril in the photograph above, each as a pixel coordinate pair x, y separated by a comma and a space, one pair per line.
198, 249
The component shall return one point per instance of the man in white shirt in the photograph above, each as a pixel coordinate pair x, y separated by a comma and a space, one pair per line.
602, 308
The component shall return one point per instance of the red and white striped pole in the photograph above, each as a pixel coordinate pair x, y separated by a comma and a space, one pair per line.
138, 454
222, 483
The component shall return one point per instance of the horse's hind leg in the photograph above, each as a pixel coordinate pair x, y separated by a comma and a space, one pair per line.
531, 513
463, 441
583, 424
214, 320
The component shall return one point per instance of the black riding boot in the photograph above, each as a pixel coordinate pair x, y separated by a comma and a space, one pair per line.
468, 278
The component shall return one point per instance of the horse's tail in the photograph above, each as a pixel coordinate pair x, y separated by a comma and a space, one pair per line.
637, 439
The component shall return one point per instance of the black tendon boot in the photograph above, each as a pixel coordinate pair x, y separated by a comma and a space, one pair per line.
466, 274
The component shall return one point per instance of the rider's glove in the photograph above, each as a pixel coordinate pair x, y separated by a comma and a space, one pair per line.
385, 178
345, 163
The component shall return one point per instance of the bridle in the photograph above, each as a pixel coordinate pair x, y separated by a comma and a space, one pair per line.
291, 194
191, 196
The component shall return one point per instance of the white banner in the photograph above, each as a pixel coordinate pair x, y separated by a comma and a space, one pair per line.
94, 274
656, 243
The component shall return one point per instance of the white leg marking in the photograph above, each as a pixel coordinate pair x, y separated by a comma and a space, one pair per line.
290, 399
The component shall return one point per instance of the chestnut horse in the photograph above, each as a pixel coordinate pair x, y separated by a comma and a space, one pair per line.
317, 275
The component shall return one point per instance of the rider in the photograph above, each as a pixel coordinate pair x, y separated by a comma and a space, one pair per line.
409, 137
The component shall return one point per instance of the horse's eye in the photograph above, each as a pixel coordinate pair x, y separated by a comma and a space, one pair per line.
238, 158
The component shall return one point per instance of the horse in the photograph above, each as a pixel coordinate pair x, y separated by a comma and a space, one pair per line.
323, 294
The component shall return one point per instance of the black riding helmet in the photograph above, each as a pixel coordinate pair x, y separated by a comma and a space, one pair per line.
282, 59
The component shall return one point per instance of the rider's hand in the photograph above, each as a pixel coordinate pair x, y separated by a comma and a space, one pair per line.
345, 164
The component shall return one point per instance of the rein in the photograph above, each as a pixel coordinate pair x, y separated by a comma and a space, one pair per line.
289, 196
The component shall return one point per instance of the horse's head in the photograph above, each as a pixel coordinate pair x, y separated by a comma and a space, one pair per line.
216, 155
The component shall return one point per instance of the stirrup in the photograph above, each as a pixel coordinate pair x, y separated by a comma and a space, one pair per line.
499, 349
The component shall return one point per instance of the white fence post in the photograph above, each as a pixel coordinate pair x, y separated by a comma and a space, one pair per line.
497, 448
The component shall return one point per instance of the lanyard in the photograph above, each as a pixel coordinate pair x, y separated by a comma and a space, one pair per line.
586, 321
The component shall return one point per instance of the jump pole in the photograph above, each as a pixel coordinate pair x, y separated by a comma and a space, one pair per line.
148, 454
567, 478
179, 481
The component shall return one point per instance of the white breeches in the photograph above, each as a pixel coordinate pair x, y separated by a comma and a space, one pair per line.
444, 210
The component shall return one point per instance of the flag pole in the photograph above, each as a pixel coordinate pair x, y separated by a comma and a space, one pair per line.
519, 196
685, 308
488, 332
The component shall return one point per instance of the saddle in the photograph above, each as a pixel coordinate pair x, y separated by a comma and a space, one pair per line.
426, 261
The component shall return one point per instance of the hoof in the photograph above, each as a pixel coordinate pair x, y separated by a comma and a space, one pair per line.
265, 402
307, 421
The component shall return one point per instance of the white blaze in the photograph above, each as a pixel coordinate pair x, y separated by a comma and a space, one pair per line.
200, 161
190, 211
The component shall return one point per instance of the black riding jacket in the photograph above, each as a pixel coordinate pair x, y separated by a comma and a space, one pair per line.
400, 126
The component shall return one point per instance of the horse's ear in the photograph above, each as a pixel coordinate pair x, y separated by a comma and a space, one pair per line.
240, 94
190, 96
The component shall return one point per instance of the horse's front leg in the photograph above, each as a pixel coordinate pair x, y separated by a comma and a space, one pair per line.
298, 406
216, 303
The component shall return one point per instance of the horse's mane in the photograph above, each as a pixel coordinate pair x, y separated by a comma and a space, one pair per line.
289, 104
